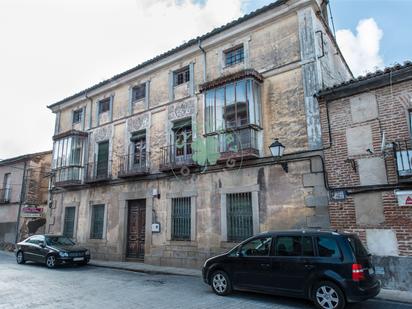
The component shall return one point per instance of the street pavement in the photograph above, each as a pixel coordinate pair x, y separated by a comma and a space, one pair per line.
34, 286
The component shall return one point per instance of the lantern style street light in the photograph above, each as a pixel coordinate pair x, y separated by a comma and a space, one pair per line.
277, 149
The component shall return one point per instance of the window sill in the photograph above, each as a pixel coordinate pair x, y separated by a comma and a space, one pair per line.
139, 101
181, 85
183, 243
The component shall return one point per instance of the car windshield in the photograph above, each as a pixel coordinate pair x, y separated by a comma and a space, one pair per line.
58, 240
357, 246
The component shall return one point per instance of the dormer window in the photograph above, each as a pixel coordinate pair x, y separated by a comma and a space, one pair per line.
181, 76
234, 55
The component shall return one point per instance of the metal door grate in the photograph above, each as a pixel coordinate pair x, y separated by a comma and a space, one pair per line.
239, 216
181, 218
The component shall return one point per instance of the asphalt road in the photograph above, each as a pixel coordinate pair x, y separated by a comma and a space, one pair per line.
34, 286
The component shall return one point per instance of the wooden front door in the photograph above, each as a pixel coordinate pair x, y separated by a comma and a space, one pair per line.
136, 229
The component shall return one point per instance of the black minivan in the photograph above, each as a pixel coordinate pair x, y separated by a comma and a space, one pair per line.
331, 268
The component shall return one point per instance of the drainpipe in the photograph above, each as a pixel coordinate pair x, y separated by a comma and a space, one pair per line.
22, 193
204, 59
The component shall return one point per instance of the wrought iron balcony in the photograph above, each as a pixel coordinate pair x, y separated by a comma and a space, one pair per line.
5, 195
98, 172
403, 157
68, 176
176, 157
134, 165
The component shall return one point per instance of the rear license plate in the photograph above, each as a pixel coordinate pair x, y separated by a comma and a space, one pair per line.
78, 259
371, 271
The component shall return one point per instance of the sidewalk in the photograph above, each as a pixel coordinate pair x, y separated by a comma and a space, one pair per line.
146, 268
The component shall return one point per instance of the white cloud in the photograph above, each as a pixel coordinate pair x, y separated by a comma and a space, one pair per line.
361, 50
52, 49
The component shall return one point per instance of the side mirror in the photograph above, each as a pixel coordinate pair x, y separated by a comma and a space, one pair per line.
239, 254
42, 244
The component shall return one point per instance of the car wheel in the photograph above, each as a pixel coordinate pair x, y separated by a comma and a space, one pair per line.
20, 258
221, 284
328, 295
50, 261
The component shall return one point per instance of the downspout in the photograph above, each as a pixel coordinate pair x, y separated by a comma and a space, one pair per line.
22, 193
204, 58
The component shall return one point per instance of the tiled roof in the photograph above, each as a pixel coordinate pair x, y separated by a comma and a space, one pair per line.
230, 78
175, 50
23, 157
379, 74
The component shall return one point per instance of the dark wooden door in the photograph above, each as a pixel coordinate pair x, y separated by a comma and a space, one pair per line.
136, 229
102, 160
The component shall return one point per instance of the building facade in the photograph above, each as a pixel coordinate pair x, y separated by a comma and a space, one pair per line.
169, 162
23, 195
367, 138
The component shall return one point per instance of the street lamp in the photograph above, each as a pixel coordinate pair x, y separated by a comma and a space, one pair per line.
277, 149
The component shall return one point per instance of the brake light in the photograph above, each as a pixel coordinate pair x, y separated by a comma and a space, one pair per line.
357, 272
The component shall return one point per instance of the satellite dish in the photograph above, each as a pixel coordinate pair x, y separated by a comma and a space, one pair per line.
383, 144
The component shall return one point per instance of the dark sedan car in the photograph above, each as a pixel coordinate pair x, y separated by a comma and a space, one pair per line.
51, 250
327, 267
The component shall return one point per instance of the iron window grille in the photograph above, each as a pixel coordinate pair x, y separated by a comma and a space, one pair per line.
138, 92
234, 56
181, 76
77, 115
104, 105
69, 215
239, 216
181, 218
96, 231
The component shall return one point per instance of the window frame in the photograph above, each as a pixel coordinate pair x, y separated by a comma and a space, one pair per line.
187, 236
135, 89
92, 233
185, 73
270, 252
233, 196
103, 102
232, 53
65, 221
79, 113
327, 257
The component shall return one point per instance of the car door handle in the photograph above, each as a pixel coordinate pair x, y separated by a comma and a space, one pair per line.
309, 266
265, 265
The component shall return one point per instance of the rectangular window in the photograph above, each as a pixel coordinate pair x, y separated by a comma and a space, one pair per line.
182, 131
288, 246
181, 218
138, 92
96, 230
77, 115
104, 105
181, 76
234, 55
239, 216
68, 227
102, 164
138, 140
6, 192
327, 247
234, 105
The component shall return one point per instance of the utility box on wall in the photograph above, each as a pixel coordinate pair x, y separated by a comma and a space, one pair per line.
156, 227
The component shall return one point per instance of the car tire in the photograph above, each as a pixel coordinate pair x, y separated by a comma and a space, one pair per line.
220, 283
50, 261
20, 257
327, 295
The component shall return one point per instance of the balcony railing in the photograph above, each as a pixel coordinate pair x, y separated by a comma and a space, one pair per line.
68, 176
134, 165
5, 195
238, 143
176, 156
403, 156
98, 172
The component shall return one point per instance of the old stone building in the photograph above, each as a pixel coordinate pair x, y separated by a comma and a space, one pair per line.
169, 161
23, 195
366, 126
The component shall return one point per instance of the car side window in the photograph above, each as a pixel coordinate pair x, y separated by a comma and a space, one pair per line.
327, 247
288, 246
257, 247
307, 246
